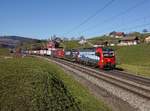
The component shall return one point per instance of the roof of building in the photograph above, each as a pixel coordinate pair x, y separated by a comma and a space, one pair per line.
147, 38
119, 33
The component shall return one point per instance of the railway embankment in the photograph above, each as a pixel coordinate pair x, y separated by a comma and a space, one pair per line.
134, 59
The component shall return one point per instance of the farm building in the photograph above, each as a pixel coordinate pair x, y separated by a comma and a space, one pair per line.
147, 39
83, 41
128, 41
117, 34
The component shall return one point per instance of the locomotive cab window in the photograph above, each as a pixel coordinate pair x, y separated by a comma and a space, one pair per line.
108, 53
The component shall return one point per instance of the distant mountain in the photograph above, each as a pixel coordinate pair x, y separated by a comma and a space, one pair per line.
13, 41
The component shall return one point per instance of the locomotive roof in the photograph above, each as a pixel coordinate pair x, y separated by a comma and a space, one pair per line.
107, 49
88, 49
94, 48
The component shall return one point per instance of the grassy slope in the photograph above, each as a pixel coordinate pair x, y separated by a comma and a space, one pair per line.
26, 84
4, 52
74, 45
135, 59
70, 44
102, 39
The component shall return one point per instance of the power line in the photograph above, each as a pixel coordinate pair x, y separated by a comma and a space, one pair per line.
118, 15
133, 20
134, 27
137, 26
90, 17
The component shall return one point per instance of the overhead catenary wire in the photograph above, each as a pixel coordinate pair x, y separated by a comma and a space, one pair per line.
90, 17
134, 20
137, 26
116, 16
133, 27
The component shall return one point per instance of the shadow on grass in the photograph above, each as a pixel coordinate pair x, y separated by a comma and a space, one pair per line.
119, 69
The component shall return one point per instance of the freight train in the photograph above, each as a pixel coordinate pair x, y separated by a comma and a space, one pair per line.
95, 57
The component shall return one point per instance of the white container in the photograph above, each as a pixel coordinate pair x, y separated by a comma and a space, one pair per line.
48, 52
44, 51
41, 52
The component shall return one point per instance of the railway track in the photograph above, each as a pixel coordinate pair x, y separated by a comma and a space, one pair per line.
135, 84
130, 77
124, 75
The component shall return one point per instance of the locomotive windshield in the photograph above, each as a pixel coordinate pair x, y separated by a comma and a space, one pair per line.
108, 52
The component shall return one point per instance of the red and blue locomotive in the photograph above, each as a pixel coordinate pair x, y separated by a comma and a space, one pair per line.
96, 57
106, 58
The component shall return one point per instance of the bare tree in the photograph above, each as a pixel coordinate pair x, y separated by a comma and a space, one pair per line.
145, 30
65, 39
82, 38
72, 38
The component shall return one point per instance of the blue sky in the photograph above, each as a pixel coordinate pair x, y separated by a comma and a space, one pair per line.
43, 18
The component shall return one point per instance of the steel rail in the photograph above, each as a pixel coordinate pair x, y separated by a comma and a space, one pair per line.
142, 91
124, 75
132, 77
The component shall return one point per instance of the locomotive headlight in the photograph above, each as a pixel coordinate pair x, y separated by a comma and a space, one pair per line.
102, 61
113, 54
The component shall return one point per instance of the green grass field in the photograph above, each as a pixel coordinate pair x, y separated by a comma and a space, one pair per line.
74, 45
135, 59
31, 84
4, 52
